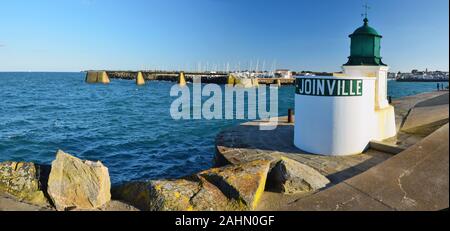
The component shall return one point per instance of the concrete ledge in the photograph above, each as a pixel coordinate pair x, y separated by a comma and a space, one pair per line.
426, 116
416, 179
385, 147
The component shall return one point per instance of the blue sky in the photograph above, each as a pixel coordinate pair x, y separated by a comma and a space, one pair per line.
73, 35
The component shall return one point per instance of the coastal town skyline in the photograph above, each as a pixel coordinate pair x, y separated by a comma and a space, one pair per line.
208, 35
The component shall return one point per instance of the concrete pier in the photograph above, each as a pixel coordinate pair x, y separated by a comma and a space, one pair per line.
221, 78
408, 172
279, 82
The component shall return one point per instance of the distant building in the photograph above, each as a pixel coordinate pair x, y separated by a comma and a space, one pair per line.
392, 75
283, 73
423, 76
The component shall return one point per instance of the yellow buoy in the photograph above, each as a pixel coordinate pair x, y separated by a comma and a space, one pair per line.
182, 79
140, 79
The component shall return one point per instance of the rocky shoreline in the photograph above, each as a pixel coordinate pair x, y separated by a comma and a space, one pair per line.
68, 184
71, 184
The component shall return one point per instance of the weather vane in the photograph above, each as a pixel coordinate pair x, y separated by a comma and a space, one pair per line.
366, 10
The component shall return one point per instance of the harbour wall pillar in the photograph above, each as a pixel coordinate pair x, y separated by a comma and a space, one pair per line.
140, 79
97, 77
182, 79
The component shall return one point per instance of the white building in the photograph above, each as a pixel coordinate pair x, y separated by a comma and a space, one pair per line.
341, 115
283, 73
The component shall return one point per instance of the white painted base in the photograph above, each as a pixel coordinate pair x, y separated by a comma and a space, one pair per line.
384, 113
385, 124
339, 126
333, 125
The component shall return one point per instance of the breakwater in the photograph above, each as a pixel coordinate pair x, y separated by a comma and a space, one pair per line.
173, 76
219, 78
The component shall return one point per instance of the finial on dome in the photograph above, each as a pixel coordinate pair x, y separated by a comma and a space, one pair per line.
366, 21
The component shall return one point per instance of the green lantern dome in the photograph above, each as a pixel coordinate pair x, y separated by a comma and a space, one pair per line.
365, 47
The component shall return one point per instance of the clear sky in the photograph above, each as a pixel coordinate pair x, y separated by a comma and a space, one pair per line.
73, 35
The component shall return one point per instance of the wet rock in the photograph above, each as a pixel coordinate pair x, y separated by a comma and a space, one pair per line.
189, 194
290, 177
74, 183
244, 183
21, 180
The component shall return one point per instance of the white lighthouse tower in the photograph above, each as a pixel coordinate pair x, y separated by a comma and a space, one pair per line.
365, 60
342, 115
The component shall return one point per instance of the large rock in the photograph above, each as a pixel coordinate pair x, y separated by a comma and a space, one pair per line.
74, 183
158, 195
290, 177
189, 194
232, 188
21, 180
211, 198
245, 182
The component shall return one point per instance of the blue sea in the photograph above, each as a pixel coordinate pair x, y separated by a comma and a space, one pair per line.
127, 127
